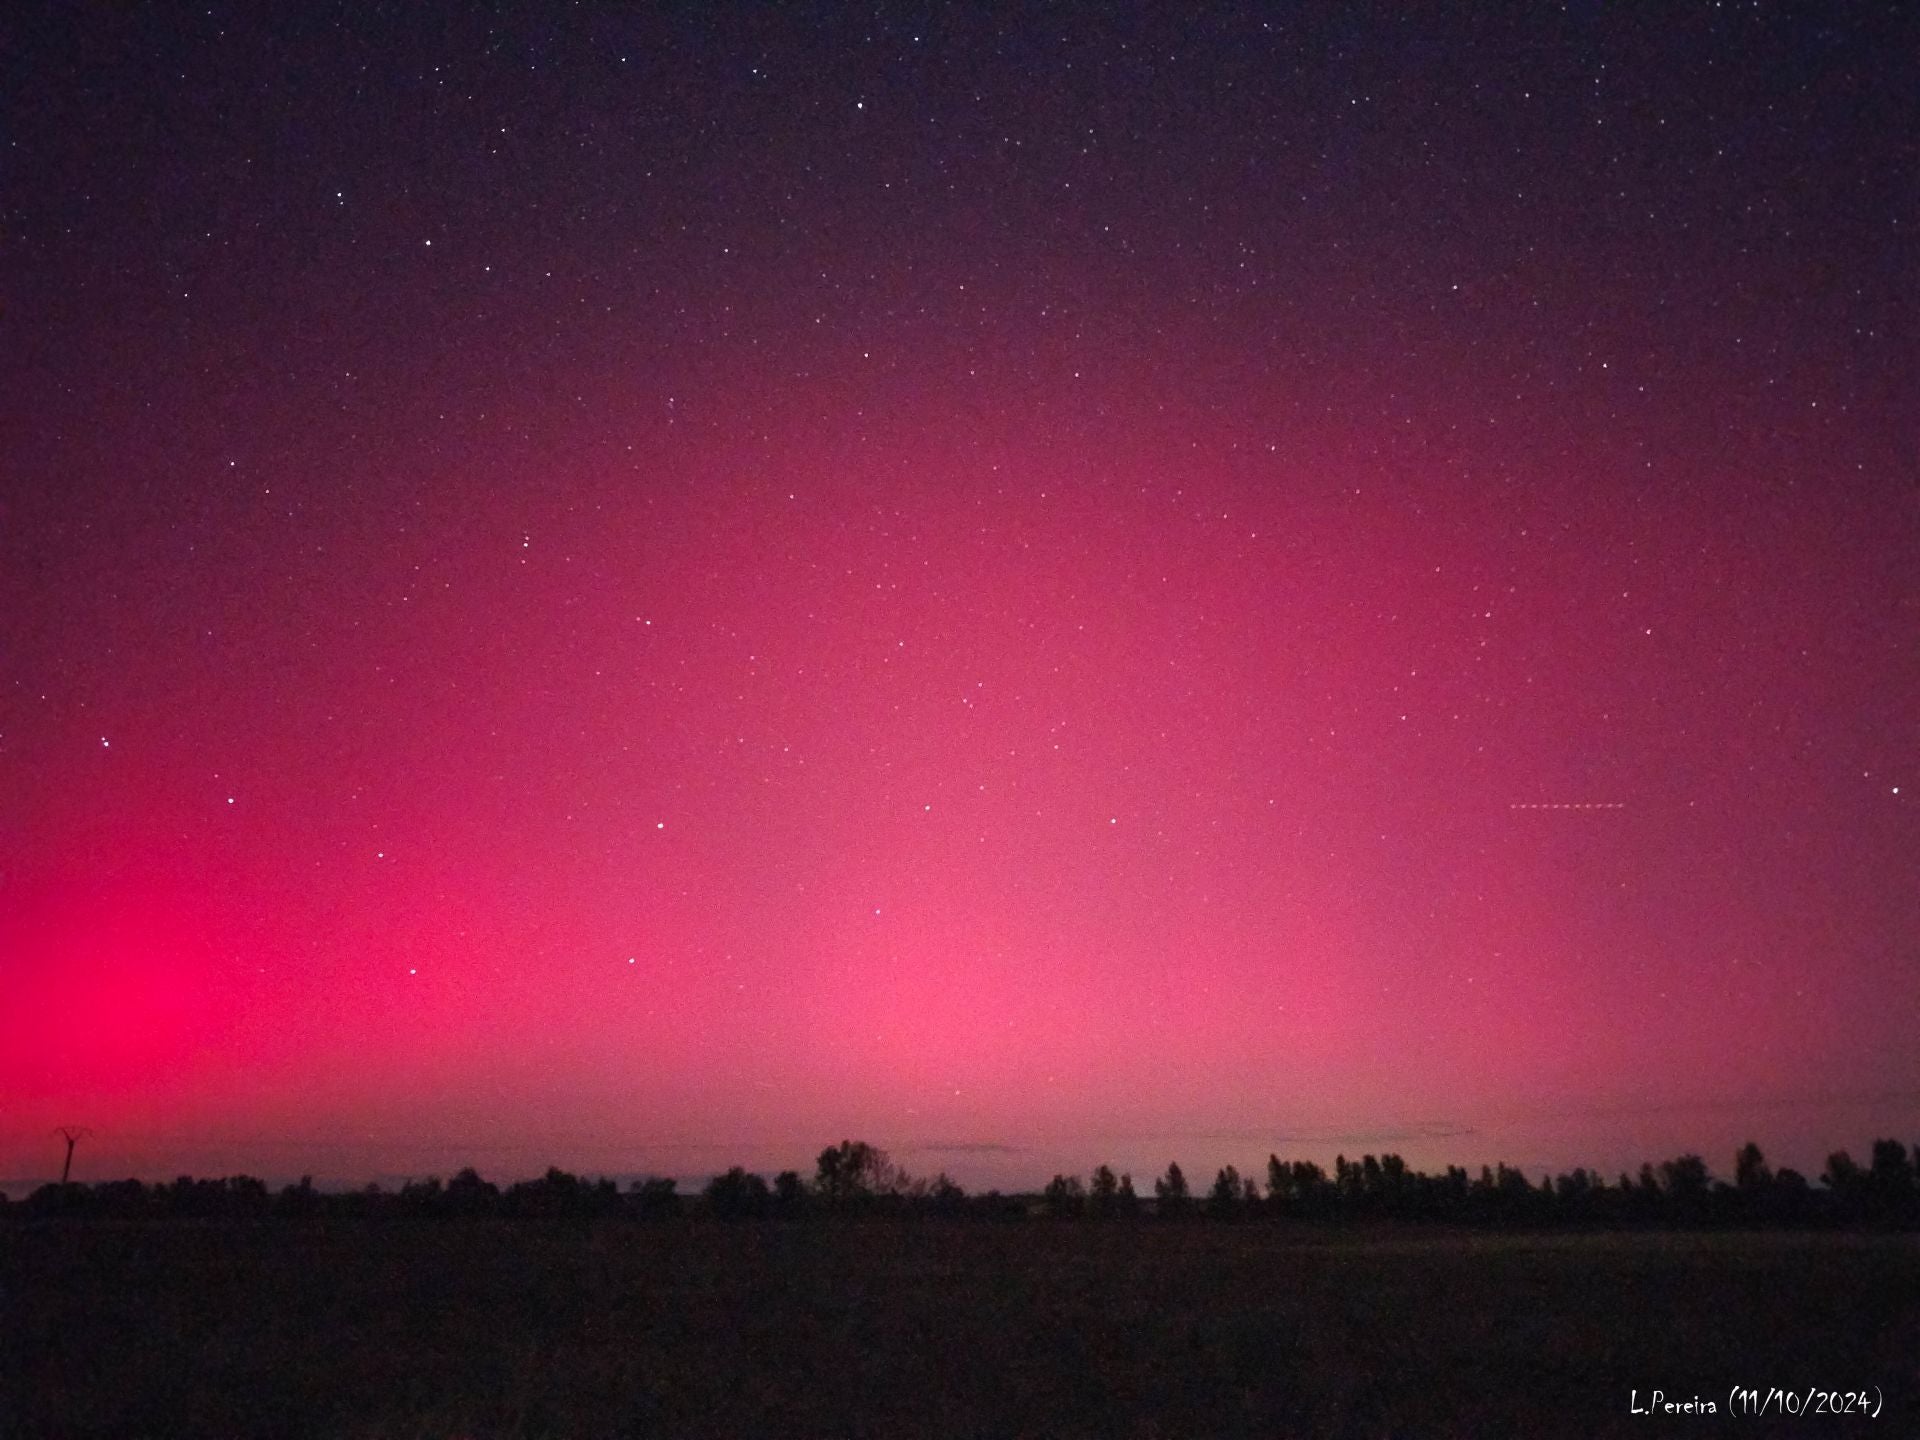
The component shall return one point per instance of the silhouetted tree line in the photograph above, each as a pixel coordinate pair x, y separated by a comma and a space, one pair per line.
855, 1178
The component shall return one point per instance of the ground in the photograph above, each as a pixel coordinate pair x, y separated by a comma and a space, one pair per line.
922, 1328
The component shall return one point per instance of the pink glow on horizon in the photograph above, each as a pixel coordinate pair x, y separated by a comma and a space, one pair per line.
1065, 622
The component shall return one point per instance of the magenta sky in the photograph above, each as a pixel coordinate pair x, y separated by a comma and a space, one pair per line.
643, 593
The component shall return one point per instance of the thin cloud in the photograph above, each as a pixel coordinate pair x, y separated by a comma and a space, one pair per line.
963, 1147
1425, 1130
1813, 1100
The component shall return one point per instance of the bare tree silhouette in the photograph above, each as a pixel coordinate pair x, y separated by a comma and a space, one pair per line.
73, 1135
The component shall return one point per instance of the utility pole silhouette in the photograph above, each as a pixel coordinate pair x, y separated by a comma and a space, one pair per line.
73, 1135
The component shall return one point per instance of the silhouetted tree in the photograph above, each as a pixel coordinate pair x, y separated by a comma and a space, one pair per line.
1503, 1195
995, 1206
1573, 1194
298, 1200
468, 1194
1892, 1166
1846, 1184
854, 1171
1647, 1195
1346, 1180
1299, 1188
1685, 1185
1223, 1200
944, 1197
556, 1194
737, 1195
1750, 1173
1372, 1183
1065, 1197
1279, 1184
57, 1200
1171, 1197
126, 1198
1684, 1178
1393, 1183
423, 1198
1888, 1189
656, 1199
1891, 1169
247, 1195
1887, 1192
1102, 1193
1793, 1198
789, 1193
827, 1181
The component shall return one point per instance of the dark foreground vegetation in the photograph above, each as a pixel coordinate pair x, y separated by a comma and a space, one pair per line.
862, 1303
857, 1178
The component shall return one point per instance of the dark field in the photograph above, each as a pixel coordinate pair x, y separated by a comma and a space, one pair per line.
925, 1328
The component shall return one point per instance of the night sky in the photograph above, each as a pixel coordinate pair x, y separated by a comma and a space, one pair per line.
643, 587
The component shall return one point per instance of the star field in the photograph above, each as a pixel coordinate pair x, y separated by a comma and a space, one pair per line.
591, 583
